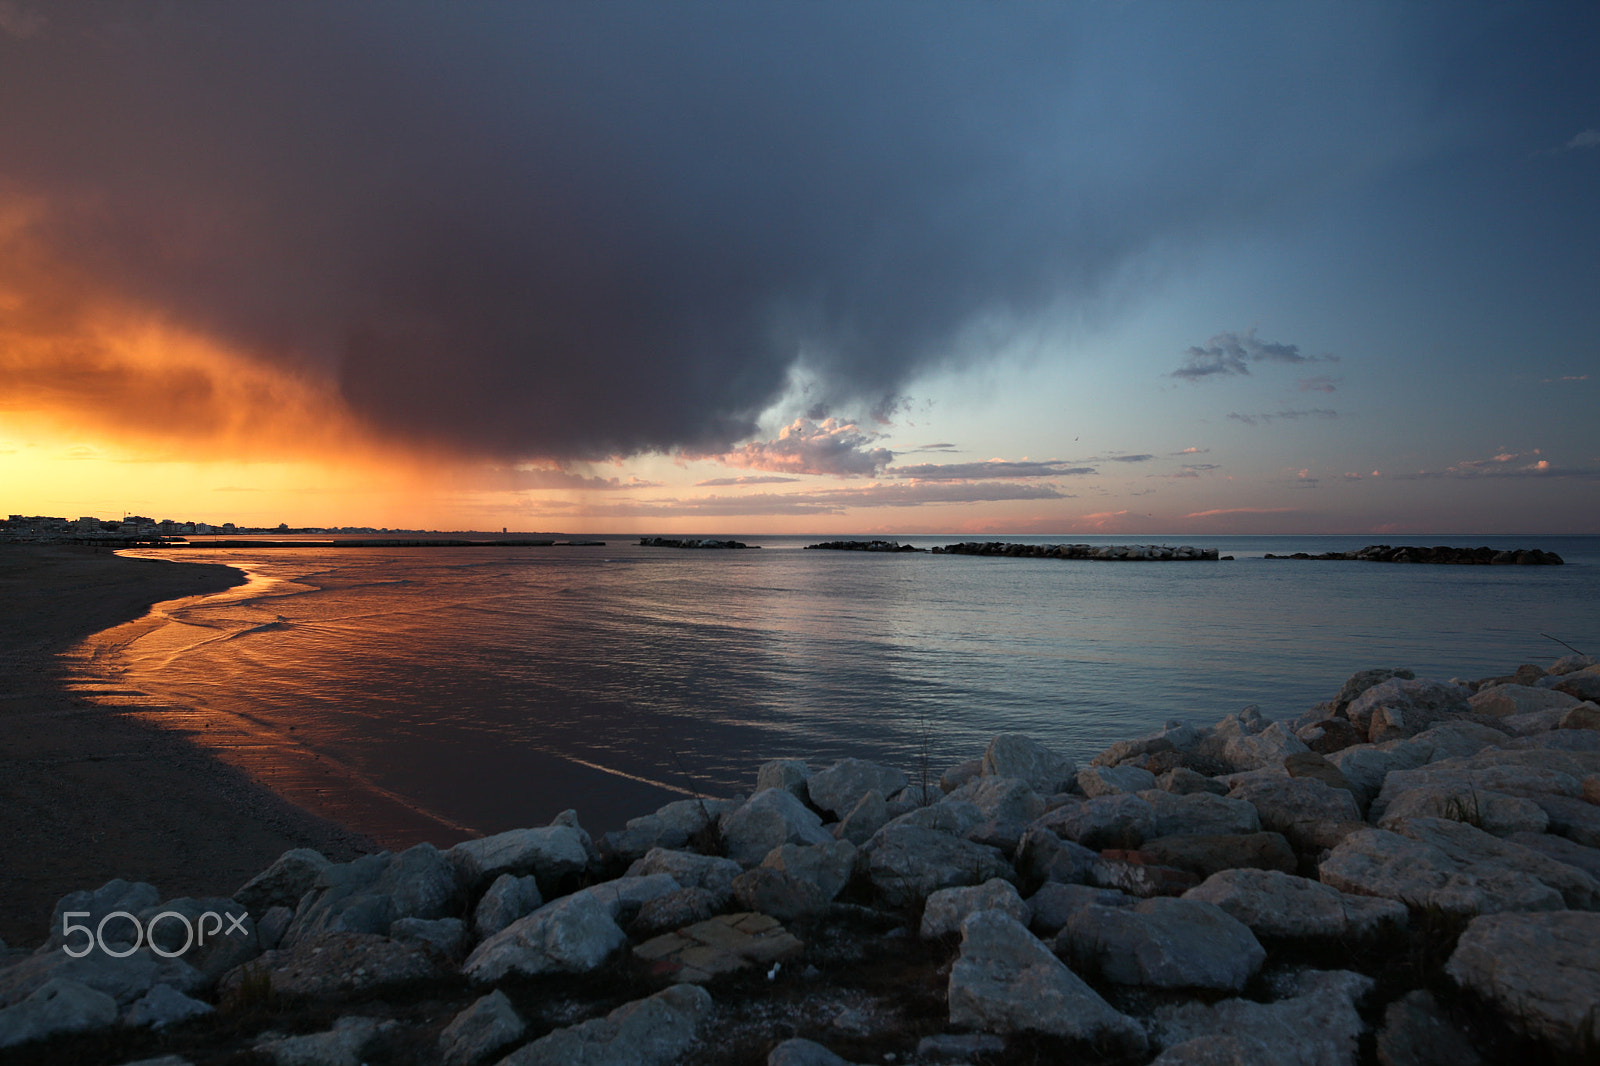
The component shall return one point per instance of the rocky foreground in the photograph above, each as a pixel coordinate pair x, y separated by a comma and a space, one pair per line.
1406, 874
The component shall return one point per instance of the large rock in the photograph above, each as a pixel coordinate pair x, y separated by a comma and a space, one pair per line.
115, 895
550, 853
213, 935
1266, 748
1318, 1026
1206, 855
1562, 850
1543, 970
57, 1006
510, 897
1001, 799
710, 872
1043, 856
1006, 981
828, 866
622, 897
164, 1005
1452, 866
573, 935
767, 820
1277, 904
124, 979
1174, 736
1110, 780
840, 787
1055, 904
1420, 703
781, 895
1575, 819
338, 964
1505, 700
865, 818
489, 1025
1493, 812
1584, 685
787, 774
1416, 1033
1015, 755
1199, 814
653, 1031
1366, 765
1114, 821
907, 863
292, 875
947, 908
373, 892
1362, 680
672, 826
1164, 943
1465, 776
1309, 812
446, 936
343, 1045
798, 1051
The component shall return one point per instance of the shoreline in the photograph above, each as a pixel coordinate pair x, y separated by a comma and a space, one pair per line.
89, 793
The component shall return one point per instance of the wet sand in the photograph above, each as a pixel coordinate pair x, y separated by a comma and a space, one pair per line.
87, 792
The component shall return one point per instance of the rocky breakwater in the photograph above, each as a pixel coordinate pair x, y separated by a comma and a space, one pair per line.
1096, 552
691, 542
1442, 553
864, 546
1406, 873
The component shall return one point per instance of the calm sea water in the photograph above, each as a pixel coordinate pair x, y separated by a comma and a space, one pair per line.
493, 687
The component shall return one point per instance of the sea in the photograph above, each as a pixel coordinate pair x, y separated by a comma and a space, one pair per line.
436, 692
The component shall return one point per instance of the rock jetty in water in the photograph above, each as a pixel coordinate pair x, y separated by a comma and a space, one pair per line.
692, 542
865, 546
1096, 552
1383, 553
1407, 872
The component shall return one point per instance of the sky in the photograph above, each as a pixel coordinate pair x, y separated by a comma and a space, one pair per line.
1033, 268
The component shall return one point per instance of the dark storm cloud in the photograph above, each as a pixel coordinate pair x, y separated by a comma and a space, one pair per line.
579, 230
1229, 354
993, 469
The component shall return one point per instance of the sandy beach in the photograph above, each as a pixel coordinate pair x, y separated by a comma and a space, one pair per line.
88, 793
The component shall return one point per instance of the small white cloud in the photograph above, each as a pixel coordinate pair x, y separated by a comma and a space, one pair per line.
1589, 138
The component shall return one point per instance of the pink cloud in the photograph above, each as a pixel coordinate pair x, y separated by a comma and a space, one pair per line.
842, 449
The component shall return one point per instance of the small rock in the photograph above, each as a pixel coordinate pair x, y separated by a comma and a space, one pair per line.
690, 870
676, 909
1184, 781
115, 895
1583, 716
960, 774
1206, 855
291, 876
907, 863
779, 894
550, 853
488, 1025
338, 964
828, 866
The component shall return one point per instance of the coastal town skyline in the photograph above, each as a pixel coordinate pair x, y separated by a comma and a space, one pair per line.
1055, 270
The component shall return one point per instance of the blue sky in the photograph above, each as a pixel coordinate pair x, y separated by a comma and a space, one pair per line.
765, 267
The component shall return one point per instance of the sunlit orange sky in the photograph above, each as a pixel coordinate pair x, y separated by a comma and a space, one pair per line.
811, 268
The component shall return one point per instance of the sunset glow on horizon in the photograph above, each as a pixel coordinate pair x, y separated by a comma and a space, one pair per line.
1027, 271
